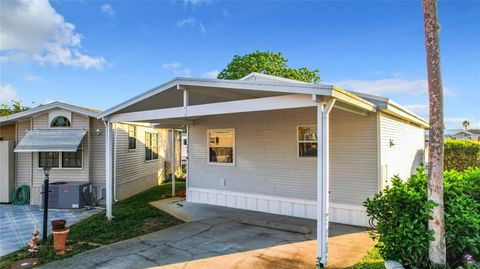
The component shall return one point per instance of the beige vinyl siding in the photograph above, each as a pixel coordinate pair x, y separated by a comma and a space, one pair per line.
353, 157
266, 155
62, 174
407, 152
23, 161
97, 151
131, 164
7, 132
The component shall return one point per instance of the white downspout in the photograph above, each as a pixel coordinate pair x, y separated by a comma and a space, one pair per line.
188, 160
108, 169
115, 139
173, 162
323, 178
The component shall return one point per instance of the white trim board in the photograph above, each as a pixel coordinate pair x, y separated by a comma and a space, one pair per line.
339, 213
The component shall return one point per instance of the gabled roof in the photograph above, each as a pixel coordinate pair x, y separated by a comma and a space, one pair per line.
42, 108
254, 76
265, 83
468, 132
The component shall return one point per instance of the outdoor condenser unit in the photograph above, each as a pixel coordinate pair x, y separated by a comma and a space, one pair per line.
70, 195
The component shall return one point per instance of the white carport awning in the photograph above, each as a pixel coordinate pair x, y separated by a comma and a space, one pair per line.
51, 140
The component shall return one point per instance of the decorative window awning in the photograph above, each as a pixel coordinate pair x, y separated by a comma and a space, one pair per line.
51, 140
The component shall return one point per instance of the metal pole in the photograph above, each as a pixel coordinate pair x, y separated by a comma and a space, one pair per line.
46, 170
173, 162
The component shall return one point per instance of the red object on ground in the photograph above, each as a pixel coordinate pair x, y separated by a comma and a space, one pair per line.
182, 193
60, 240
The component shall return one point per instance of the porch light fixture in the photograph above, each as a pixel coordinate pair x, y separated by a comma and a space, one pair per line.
46, 170
98, 131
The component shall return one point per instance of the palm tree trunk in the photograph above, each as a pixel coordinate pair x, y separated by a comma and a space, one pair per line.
437, 251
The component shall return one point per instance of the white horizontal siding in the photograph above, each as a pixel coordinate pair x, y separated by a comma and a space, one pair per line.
131, 164
408, 150
353, 157
339, 213
266, 155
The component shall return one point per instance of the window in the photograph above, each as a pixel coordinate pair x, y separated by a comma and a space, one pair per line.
151, 146
72, 159
50, 159
221, 146
61, 159
60, 121
307, 141
132, 137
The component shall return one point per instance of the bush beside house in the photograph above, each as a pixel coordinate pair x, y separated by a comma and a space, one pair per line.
461, 154
401, 212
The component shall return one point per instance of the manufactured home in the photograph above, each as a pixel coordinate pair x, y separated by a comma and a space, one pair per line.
71, 141
281, 146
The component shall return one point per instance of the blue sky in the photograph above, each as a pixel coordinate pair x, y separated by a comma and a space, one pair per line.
97, 54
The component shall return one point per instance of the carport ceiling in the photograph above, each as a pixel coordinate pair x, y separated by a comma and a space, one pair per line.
196, 96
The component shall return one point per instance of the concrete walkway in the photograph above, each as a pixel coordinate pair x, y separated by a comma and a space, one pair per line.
18, 221
230, 238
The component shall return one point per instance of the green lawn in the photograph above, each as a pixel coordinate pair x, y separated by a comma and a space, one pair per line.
132, 217
372, 260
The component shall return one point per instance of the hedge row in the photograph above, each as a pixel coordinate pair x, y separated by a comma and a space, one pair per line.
461, 154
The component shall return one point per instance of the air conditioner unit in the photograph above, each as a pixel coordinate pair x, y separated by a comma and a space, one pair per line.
70, 195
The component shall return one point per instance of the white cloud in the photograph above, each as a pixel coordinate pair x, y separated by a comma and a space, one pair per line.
8, 93
211, 74
190, 21
202, 28
32, 78
33, 30
178, 69
419, 109
456, 122
108, 10
171, 66
195, 3
387, 86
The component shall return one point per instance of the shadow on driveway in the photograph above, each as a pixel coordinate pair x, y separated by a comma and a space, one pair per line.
233, 239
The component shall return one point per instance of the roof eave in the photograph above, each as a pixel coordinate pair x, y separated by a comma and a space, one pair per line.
399, 111
39, 109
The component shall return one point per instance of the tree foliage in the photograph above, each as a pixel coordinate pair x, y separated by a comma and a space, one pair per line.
269, 63
15, 107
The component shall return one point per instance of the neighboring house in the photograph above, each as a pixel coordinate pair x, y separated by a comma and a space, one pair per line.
281, 146
471, 134
71, 140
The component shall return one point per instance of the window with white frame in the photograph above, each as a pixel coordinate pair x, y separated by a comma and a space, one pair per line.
73, 159
307, 140
50, 159
151, 146
132, 137
221, 146
61, 159
60, 121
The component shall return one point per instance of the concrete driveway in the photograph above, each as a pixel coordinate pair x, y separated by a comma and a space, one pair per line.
229, 239
18, 221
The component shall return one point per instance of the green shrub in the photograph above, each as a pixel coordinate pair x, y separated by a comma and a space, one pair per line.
461, 154
402, 211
